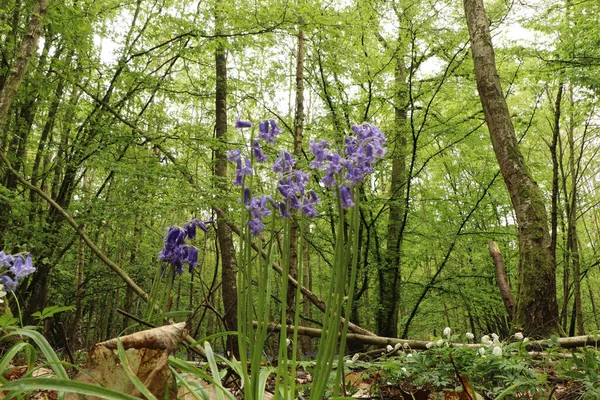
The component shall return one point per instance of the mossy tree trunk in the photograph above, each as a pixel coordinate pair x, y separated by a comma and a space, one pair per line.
537, 308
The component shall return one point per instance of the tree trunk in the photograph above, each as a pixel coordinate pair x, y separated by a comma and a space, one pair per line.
501, 278
572, 238
555, 134
224, 236
389, 274
537, 308
19, 67
10, 85
298, 129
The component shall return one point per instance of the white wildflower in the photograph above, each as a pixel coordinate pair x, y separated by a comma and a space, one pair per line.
397, 346
389, 348
495, 337
485, 339
481, 351
470, 336
409, 355
519, 336
447, 332
439, 343
288, 342
525, 340
429, 345
2, 293
497, 351
405, 345
355, 357
404, 370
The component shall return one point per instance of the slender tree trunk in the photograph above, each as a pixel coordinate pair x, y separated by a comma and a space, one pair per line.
298, 129
537, 308
593, 302
224, 235
555, 135
572, 237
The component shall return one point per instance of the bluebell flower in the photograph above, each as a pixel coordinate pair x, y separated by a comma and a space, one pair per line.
257, 206
234, 155
6, 260
308, 206
240, 123
257, 152
242, 171
256, 226
21, 269
318, 149
283, 211
190, 227
346, 197
284, 164
268, 130
176, 251
9, 284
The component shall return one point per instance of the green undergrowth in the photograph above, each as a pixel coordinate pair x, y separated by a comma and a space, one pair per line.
493, 370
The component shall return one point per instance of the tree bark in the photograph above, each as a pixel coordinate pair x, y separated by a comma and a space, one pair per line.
537, 308
390, 273
224, 236
19, 68
503, 284
298, 129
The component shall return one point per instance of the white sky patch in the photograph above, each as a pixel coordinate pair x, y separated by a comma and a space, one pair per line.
107, 49
431, 67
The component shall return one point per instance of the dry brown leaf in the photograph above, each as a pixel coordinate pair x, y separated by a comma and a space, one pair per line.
147, 354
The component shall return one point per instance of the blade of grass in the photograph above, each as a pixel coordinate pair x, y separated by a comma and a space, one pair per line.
63, 385
131, 375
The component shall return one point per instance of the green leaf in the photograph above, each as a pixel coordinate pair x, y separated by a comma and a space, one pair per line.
132, 377
49, 312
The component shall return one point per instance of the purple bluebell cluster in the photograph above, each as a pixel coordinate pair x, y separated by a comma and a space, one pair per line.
17, 267
360, 153
292, 181
343, 171
268, 130
176, 251
257, 206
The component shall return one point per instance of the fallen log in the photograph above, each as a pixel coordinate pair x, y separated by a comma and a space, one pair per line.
566, 342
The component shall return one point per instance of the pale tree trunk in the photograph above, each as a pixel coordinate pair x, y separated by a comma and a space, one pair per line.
537, 308
224, 236
19, 68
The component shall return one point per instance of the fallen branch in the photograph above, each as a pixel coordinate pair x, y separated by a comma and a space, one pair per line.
381, 341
